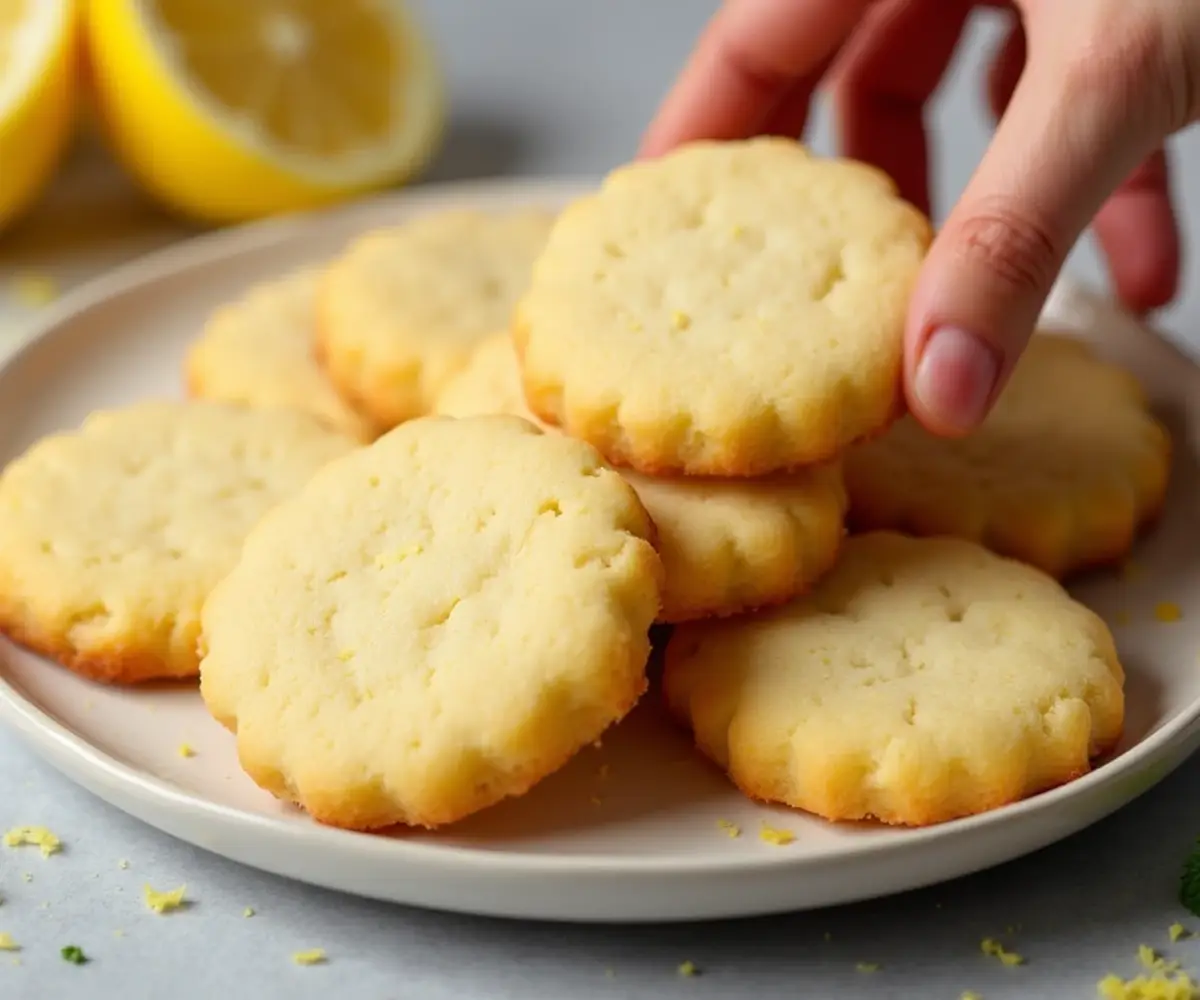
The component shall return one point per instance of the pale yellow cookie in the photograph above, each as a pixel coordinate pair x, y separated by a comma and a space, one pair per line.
259, 351
111, 536
401, 310
730, 309
921, 680
434, 623
1062, 474
727, 545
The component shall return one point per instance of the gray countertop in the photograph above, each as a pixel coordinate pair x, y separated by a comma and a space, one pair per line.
554, 87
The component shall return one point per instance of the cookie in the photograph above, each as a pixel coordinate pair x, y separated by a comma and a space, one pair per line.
111, 536
922, 680
258, 351
1063, 473
727, 545
470, 607
731, 309
400, 311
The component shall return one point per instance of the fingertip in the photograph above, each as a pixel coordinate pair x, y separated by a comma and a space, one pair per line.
1140, 239
953, 382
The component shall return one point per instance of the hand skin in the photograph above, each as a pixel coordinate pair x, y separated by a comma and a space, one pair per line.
1086, 92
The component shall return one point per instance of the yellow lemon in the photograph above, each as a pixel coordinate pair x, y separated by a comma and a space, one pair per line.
231, 109
38, 44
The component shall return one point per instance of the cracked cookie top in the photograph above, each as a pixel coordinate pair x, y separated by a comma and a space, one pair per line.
729, 309
434, 623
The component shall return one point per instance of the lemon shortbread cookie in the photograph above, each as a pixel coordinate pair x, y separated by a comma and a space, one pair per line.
112, 536
471, 605
730, 309
1063, 472
400, 311
921, 680
259, 351
727, 545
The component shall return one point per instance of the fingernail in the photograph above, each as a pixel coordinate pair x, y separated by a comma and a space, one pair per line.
955, 378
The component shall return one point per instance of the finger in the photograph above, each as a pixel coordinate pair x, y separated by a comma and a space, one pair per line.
1006, 67
889, 68
1139, 234
790, 115
748, 58
1077, 124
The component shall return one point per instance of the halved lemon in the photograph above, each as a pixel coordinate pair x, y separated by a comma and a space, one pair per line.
231, 109
38, 42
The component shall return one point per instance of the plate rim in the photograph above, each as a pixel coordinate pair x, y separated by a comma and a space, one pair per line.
57, 743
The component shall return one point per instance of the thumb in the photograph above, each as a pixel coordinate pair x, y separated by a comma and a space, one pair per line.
1077, 124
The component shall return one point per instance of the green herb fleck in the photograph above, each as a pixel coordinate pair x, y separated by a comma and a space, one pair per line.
74, 954
1189, 881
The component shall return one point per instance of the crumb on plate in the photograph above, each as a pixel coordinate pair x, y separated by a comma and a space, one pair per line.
1167, 611
7, 943
729, 828
185, 750
866, 967
774, 836
1177, 932
688, 969
33, 290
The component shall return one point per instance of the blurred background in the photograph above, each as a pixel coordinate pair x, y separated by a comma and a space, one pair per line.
534, 87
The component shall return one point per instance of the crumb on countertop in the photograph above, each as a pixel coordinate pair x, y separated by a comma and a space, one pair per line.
33, 836
162, 902
992, 947
123, 865
1153, 961
1154, 987
970, 995
688, 969
314, 956
866, 967
74, 954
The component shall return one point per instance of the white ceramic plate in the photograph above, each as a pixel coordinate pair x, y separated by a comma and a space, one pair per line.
642, 842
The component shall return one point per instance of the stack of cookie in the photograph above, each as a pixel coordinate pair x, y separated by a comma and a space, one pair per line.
530, 437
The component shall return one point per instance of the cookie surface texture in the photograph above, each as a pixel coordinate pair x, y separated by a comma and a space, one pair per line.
922, 680
112, 536
470, 608
259, 351
1062, 474
401, 310
731, 309
727, 545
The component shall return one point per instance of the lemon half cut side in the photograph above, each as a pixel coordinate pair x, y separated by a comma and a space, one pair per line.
231, 109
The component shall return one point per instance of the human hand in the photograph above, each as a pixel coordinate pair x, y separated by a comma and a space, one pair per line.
1086, 92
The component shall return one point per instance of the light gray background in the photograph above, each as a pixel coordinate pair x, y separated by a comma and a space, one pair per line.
551, 87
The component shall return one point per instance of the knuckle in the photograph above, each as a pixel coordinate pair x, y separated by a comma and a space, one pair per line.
1011, 245
1137, 61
